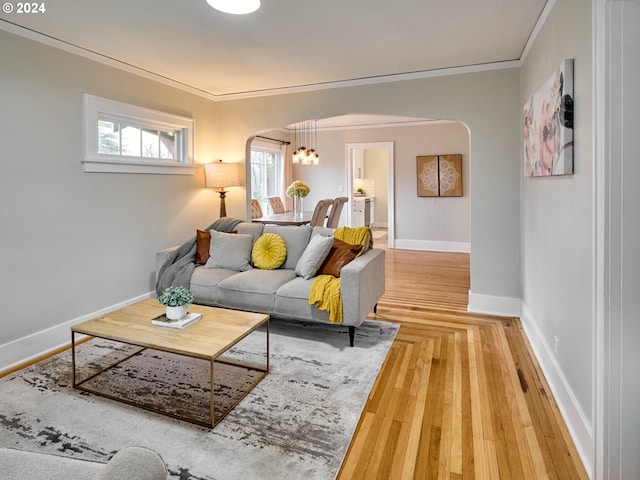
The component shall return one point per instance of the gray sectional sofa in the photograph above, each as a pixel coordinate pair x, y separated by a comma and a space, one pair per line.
232, 282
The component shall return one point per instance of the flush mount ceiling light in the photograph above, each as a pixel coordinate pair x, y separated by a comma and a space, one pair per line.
237, 7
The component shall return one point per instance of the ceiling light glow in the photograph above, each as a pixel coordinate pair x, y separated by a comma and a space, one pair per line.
236, 7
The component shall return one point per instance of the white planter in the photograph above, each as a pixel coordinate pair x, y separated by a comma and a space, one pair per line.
175, 313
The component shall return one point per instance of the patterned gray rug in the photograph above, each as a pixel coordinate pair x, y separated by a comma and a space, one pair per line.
295, 424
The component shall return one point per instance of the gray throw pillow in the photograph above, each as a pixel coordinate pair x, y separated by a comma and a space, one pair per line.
229, 251
313, 256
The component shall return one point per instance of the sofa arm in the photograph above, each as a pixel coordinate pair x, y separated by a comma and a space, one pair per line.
134, 463
161, 258
361, 286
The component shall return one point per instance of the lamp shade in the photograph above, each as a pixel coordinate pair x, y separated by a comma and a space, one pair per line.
221, 175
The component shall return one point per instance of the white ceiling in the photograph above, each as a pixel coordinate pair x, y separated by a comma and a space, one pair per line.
286, 44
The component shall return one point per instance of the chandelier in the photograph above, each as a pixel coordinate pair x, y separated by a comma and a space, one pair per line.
306, 133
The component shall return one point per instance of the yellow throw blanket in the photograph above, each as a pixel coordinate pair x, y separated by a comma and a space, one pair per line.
355, 236
325, 290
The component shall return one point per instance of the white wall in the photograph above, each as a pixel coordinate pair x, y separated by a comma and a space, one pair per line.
74, 243
420, 222
486, 102
557, 228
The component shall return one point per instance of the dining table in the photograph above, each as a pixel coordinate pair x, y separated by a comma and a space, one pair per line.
287, 218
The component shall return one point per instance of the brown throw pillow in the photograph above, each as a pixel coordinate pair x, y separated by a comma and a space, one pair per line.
203, 242
341, 253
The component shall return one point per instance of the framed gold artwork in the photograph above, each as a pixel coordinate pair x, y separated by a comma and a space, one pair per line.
439, 175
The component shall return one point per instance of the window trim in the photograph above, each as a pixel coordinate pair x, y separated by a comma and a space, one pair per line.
264, 147
97, 108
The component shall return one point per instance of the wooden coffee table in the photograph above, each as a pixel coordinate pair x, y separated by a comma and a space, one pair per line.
214, 334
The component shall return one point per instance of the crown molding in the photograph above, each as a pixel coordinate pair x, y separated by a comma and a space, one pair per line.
542, 19
112, 62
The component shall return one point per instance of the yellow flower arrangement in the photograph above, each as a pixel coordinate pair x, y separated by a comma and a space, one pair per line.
298, 189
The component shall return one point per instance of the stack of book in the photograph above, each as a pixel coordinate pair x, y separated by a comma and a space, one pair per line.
188, 319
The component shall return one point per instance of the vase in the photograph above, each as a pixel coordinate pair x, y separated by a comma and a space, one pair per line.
297, 206
176, 313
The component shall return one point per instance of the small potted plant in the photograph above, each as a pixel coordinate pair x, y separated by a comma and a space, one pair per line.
177, 300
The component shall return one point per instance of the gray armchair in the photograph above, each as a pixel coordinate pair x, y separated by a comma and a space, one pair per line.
131, 463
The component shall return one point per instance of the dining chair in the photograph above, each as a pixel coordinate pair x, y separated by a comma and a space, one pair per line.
320, 212
336, 210
276, 204
256, 209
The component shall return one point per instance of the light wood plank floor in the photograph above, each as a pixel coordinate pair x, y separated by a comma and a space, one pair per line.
460, 396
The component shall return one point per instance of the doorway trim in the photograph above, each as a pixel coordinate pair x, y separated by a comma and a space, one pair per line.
389, 147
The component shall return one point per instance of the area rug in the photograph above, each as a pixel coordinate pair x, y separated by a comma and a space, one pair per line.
297, 422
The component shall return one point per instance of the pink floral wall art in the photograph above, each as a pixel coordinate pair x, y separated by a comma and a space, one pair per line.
548, 126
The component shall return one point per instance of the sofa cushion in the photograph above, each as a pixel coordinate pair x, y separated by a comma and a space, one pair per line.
249, 228
297, 288
269, 252
313, 256
203, 242
341, 253
292, 301
203, 245
324, 231
254, 289
204, 283
257, 281
296, 239
210, 277
229, 251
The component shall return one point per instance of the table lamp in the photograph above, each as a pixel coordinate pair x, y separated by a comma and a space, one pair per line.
221, 175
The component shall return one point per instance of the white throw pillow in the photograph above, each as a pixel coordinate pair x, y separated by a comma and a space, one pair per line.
313, 256
229, 251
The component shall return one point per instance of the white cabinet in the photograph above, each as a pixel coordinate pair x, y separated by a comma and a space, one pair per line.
357, 212
357, 159
362, 211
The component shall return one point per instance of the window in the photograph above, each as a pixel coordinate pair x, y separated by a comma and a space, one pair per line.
129, 139
266, 173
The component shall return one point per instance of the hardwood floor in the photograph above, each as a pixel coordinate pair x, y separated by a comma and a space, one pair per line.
460, 395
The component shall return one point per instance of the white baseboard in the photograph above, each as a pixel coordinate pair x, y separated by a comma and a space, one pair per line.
493, 305
405, 244
32, 346
577, 421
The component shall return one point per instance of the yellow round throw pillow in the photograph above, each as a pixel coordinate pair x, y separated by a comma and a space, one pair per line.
269, 252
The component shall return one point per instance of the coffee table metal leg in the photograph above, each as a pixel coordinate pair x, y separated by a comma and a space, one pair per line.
268, 322
73, 356
213, 418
